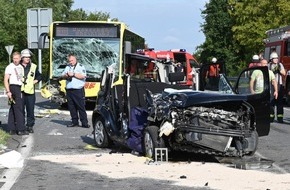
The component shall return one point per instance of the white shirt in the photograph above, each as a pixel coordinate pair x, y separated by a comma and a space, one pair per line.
16, 73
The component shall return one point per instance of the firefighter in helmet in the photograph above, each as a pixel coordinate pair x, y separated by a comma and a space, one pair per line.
31, 77
279, 71
213, 74
255, 61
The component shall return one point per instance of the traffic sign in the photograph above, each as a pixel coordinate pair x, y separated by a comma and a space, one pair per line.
38, 21
9, 50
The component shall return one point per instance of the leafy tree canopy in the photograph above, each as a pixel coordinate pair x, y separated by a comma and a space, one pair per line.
13, 23
235, 29
219, 40
253, 18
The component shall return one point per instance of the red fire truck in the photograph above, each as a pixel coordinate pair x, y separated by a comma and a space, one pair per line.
173, 56
278, 40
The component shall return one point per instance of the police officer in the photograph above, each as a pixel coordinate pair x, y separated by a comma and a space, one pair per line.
279, 71
12, 81
75, 75
31, 77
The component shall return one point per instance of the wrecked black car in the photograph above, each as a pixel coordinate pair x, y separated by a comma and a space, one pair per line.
145, 113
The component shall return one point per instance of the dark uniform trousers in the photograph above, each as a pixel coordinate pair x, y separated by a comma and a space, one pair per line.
29, 103
279, 104
16, 120
76, 105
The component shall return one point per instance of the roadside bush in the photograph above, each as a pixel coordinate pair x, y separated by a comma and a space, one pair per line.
2, 70
3, 137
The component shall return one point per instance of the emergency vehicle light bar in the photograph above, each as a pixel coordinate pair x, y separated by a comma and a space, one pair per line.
143, 50
285, 35
178, 50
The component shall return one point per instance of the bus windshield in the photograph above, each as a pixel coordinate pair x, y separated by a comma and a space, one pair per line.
96, 44
94, 53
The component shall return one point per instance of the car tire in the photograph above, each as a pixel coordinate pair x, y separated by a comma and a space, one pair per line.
101, 137
151, 140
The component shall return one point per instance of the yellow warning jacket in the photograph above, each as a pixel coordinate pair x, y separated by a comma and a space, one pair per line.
28, 86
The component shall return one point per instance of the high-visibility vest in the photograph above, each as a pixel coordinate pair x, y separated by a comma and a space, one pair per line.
214, 70
28, 86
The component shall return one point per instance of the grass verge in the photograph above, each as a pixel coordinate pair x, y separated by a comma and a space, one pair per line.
3, 137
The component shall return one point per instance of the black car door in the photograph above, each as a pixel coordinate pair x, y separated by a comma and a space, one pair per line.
260, 99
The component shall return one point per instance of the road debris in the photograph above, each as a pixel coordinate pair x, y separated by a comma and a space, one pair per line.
11, 159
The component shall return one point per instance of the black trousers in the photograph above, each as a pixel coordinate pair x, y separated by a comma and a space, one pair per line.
76, 105
278, 103
29, 104
213, 82
16, 120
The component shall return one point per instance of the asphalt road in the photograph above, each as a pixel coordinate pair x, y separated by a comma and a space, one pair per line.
52, 137
276, 146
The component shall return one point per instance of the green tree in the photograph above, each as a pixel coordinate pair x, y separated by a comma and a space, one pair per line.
13, 24
219, 40
13, 30
80, 14
251, 19
235, 29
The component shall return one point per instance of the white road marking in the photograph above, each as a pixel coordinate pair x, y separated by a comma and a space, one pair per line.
12, 174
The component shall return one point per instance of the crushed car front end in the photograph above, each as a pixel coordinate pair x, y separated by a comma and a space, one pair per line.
200, 122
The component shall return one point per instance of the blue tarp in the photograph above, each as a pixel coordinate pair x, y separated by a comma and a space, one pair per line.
136, 125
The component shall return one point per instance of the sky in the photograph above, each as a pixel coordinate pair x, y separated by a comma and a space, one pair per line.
165, 24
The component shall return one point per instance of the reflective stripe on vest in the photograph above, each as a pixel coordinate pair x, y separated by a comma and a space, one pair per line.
28, 86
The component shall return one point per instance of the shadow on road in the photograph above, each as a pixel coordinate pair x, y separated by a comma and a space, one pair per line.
47, 104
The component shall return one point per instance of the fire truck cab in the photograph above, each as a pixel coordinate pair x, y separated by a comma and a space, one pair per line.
278, 40
170, 59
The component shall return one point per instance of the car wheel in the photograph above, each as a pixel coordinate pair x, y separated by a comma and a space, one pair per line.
151, 141
253, 141
100, 134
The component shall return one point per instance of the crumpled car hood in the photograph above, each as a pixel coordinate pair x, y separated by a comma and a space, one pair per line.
186, 98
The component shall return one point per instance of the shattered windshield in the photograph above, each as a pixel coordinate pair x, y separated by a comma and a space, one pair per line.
94, 54
224, 86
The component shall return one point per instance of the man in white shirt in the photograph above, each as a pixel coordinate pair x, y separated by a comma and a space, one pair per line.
257, 81
13, 81
75, 75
